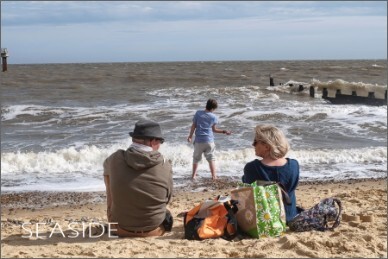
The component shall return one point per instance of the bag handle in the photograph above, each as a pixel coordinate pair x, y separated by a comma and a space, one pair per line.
231, 207
286, 198
337, 220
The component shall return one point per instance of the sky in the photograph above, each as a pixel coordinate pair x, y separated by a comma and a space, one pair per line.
162, 31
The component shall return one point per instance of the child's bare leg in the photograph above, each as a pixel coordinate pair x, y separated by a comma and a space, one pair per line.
212, 166
195, 166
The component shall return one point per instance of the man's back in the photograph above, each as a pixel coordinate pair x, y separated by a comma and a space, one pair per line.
141, 186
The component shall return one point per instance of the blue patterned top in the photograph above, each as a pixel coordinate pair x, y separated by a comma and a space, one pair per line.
287, 175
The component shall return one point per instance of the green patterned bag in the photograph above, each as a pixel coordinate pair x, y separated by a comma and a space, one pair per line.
260, 209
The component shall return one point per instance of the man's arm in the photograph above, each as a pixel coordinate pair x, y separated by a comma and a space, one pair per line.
170, 188
108, 198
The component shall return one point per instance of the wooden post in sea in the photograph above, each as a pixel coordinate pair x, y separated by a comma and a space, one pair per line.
312, 91
371, 95
271, 83
338, 92
324, 93
4, 55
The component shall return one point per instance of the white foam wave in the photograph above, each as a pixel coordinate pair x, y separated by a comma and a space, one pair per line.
86, 163
172, 102
10, 112
290, 86
63, 161
64, 113
328, 156
352, 118
359, 120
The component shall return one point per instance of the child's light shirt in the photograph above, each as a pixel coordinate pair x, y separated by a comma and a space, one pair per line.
204, 122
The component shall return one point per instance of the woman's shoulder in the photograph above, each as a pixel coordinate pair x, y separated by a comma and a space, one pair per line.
293, 165
293, 162
252, 163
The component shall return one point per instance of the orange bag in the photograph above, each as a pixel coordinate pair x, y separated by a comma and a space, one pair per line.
211, 219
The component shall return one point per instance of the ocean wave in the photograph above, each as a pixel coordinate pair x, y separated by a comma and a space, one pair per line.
82, 168
377, 66
89, 159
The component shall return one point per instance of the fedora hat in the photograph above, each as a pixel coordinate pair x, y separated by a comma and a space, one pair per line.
147, 129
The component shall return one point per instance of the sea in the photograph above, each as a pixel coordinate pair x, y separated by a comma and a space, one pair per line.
60, 121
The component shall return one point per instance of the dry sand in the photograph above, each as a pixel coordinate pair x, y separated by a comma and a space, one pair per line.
364, 235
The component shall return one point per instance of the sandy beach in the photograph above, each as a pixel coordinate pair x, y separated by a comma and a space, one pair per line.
362, 232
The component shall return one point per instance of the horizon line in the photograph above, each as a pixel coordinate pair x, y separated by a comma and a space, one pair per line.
199, 61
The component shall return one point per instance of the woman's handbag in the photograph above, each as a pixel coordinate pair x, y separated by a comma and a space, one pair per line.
318, 217
260, 209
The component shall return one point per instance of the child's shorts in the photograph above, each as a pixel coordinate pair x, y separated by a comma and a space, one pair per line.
204, 148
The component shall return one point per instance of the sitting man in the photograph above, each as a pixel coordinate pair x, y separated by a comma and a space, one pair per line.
139, 185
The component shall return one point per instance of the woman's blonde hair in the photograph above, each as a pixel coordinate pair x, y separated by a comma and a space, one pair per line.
273, 137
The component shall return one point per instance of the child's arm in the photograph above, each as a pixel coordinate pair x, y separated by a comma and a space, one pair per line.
191, 132
216, 130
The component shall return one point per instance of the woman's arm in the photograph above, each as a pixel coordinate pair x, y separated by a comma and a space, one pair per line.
294, 175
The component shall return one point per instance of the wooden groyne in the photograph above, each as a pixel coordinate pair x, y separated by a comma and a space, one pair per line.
353, 98
355, 94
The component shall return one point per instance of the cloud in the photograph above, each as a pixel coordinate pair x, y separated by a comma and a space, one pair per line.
16, 13
65, 31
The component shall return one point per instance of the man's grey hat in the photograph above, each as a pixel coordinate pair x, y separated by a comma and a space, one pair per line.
147, 129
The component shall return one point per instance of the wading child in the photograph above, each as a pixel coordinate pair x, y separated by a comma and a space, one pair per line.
204, 125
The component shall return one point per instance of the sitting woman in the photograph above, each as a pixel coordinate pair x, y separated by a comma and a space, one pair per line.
272, 146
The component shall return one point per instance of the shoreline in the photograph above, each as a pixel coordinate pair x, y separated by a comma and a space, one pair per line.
353, 238
47, 199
